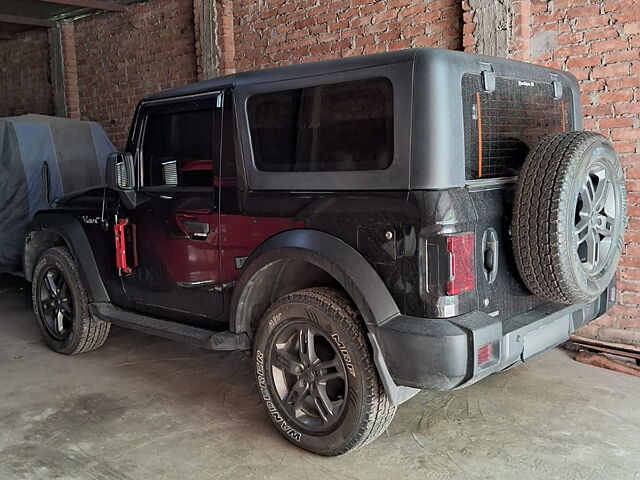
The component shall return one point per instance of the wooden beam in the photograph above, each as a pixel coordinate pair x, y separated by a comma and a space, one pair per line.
34, 22
95, 4
600, 360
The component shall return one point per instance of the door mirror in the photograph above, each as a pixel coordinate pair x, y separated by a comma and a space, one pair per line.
120, 171
121, 177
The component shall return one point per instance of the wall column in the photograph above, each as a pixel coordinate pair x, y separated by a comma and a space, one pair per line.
500, 28
205, 20
64, 70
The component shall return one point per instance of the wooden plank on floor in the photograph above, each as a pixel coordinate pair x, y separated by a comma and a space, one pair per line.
602, 361
593, 341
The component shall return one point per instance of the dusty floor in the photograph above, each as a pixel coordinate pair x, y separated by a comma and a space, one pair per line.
147, 408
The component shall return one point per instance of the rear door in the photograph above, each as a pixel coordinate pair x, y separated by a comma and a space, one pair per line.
177, 226
501, 126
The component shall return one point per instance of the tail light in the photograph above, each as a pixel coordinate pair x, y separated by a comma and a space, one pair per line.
485, 354
460, 249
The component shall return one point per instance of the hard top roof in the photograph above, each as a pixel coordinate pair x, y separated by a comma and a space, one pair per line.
299, 71
435, 57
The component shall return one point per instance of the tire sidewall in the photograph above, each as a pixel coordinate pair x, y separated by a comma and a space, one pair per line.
600, 151
276, 319
49, 259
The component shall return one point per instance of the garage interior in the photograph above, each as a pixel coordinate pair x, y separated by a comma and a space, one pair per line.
143, 406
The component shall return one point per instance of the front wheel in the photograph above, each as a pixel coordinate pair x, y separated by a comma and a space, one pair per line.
315, 373
61, 306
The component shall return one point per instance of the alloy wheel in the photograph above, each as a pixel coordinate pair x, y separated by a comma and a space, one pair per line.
56, 305
309, 375
595, 219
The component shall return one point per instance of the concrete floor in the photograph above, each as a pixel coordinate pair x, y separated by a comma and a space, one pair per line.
147, 408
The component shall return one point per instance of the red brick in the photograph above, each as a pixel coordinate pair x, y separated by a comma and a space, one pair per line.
391, 14
617, 96
609, 45
627, 108
615, 70
591, 22
579, 62
621, 56
616, 122
616, 5
579, 12
601, 33
632, 28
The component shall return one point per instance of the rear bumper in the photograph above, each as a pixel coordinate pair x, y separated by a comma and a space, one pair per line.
442, 354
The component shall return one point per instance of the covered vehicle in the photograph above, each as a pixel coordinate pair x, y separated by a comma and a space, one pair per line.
42, 160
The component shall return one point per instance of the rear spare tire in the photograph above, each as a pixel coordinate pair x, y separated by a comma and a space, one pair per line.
569, 217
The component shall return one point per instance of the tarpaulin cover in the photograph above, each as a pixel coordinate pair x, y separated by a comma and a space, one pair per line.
71, 154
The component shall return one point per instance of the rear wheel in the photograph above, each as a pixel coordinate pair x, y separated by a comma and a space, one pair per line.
61, 307
315, 373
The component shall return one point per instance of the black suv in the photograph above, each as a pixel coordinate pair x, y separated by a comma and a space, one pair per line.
368, 226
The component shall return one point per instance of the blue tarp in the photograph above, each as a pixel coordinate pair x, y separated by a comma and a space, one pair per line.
72, 152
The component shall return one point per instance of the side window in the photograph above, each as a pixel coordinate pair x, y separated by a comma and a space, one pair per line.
178, 149
328, 128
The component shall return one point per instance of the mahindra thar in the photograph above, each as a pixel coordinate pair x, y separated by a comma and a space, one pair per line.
368, 227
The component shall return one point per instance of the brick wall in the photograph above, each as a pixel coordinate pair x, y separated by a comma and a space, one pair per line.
599, 42
25, 83
280, 32
123, 56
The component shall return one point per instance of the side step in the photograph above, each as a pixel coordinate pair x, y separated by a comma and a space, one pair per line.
173, 330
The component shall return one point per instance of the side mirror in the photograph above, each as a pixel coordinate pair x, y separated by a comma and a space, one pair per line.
121, 177
120, 171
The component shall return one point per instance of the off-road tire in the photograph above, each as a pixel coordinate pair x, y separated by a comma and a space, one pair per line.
86, 333
368, 411
544, 211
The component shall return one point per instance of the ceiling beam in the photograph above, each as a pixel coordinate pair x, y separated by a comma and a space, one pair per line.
94, 4
34, 22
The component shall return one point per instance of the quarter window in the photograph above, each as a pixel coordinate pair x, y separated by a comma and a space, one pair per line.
327, 128
178, 149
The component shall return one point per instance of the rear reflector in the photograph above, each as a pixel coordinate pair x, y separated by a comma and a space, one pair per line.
461, 272
485, 354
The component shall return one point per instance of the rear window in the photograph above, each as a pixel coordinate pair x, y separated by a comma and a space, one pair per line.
327, 128
502, 126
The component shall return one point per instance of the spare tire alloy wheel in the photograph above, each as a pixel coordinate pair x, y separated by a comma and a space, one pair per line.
595, 219
569, 217
315, 373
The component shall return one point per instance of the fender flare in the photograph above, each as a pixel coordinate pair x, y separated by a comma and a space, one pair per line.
342, 262
69, 229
